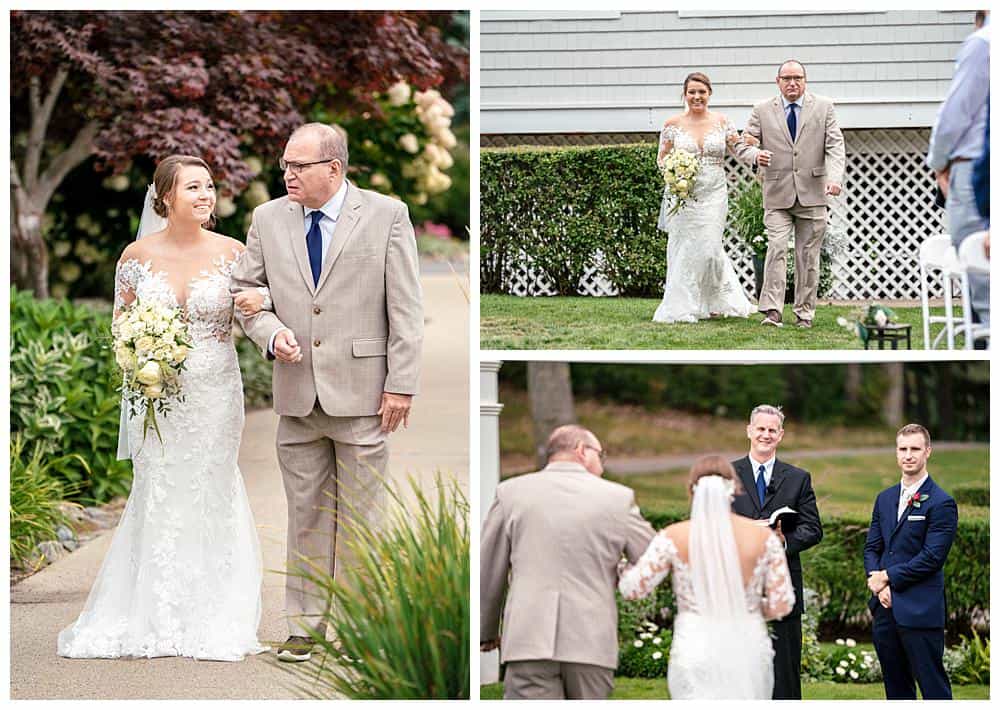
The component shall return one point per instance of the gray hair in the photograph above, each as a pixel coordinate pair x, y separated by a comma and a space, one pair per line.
332, 140
768, 409
567, 438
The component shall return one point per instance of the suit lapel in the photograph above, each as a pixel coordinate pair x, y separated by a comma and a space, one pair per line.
745, 471
779, 116
350, 214
924, 488
804, 115
293, 222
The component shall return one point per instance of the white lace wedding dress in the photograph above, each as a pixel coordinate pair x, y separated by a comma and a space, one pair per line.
700, 279
717, 652
183, 574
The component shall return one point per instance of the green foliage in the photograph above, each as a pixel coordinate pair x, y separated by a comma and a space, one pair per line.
63, 397
835, 569
645, 652
401, 613
813, 659
971, 494
846, 663
968, 663
746, 214
562, 206
256, 371
34, 497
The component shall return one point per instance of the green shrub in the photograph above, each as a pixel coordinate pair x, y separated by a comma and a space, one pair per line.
968, 663
970, 494
400, 615
848, 664
256, 371
813, 665
63, 396
645, 652
34, 497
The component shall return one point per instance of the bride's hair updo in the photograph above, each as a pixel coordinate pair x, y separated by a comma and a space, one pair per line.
713, 465
700, 78
166, 176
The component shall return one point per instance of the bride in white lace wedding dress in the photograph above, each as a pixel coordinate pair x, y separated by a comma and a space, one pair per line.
729, 576
183, 574
701, 282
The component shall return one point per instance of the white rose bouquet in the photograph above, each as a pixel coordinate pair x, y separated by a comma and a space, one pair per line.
151, 343
680, 170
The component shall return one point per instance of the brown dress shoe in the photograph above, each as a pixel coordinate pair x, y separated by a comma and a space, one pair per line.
773, 317
803, 322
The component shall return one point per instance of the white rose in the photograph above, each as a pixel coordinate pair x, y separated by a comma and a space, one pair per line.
150, 373
122, 356
180, 352
398, 93
409, 143
125, 329
682, 184
145, 343
153, 391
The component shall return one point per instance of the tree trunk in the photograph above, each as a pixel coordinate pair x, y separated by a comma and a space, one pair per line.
852, 385
892, 404
551, 397
29, 261
946, 403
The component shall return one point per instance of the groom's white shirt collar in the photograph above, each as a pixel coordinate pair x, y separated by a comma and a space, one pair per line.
768, 468
785, 102
906, 492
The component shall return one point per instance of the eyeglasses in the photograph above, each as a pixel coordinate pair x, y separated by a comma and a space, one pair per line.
297, 168
601, 453
788, 79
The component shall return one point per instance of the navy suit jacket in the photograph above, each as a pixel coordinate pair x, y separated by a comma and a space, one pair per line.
913, 552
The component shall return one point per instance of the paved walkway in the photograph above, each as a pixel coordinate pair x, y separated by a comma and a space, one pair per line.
438, 438
641, 466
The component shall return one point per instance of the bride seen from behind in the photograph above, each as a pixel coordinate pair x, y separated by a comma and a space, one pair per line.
700, 281
729, 576
183, 574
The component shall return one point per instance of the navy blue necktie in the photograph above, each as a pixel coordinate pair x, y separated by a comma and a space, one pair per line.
314, 243
792, 124
761, 485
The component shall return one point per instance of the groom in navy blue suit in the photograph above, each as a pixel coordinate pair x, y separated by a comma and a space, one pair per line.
913, 526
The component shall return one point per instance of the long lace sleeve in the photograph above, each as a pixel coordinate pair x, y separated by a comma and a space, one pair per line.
779, 594
640, 579
127, 274
667, 136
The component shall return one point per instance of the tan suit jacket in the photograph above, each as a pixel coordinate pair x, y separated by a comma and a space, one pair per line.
799, 170
558, 534
361, 327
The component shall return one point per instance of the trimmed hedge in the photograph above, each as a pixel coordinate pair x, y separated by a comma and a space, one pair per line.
563, 205
835, 569
970, 494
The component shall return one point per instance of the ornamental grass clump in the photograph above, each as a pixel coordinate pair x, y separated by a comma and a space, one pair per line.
399, 616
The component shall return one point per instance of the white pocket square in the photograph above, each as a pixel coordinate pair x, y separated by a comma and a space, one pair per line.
916, 517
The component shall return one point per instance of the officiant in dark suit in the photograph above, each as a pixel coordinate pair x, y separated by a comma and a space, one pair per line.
768, 485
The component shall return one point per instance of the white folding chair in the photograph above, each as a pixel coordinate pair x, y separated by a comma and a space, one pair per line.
972, 259
938, 254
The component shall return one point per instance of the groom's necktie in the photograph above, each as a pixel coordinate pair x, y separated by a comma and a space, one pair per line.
761, 485
314, 243
792, 123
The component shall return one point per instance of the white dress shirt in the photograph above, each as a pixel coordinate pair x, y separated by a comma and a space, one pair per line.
798, 111
331, 213
768, 469
905, 493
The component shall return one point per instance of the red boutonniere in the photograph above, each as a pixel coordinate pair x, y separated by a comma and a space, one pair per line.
917, 499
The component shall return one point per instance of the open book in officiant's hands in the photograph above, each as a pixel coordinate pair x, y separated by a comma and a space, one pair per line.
789, 519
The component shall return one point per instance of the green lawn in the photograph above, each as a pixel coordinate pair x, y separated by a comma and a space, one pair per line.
584, 323
656, 689
843, 484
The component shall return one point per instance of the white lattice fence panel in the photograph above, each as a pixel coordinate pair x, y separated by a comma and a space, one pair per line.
886, 211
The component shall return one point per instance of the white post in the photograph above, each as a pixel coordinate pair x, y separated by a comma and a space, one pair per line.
489, 477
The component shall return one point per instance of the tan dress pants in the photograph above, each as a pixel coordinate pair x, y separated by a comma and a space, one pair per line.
809, 225
333, 470
553, 680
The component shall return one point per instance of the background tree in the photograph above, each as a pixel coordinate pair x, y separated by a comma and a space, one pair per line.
125, 85
551, 396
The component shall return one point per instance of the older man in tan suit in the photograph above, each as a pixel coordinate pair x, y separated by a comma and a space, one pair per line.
801, 158
552, 541
345, 332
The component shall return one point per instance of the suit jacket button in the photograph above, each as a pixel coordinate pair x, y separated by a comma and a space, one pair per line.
316, 343
317, 310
